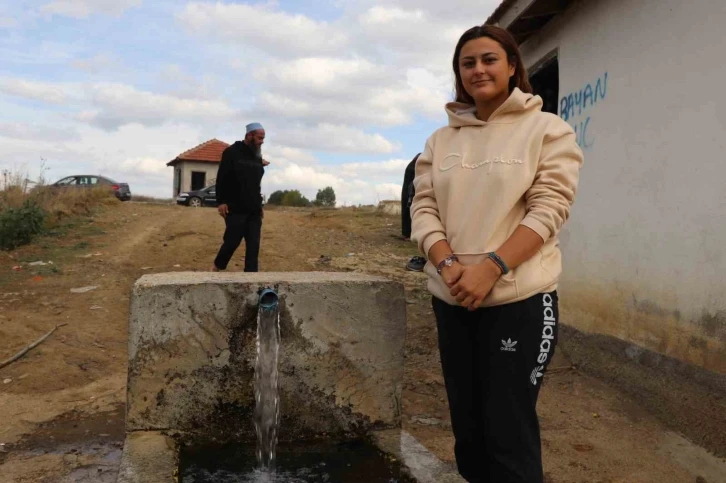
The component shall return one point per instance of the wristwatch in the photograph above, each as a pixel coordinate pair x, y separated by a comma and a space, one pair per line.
446, 262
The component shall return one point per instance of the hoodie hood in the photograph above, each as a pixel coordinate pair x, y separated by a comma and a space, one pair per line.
517, 105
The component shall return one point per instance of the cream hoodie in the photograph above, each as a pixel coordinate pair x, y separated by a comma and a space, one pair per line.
477, 181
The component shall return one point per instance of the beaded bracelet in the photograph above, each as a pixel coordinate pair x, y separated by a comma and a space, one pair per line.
500, 263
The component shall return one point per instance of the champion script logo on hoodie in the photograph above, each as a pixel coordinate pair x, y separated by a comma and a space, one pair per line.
453, 160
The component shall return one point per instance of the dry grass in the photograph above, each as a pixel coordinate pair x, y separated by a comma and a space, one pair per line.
26, 213
58, 204
152, 200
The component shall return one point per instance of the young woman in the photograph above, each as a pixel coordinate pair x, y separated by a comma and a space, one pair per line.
493, 189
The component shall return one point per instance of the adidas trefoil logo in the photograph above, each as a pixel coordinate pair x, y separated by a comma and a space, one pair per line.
536, 373
508, 345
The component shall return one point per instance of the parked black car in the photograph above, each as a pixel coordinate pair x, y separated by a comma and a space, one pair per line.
120, 190
203, 197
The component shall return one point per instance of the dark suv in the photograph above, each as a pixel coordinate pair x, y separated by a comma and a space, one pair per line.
120, 190
203, 197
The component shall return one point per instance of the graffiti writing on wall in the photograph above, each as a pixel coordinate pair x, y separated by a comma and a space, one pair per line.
575, 109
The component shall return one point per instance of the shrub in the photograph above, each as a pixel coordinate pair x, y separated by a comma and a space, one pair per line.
276, 197
295, 198
19, 225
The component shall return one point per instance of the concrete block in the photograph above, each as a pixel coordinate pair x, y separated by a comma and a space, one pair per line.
148, 457
192, 353
419, 463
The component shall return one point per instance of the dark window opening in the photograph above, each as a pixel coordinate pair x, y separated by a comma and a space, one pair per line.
198, 180
545, 83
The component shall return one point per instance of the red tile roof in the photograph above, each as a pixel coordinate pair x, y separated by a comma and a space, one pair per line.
207, 152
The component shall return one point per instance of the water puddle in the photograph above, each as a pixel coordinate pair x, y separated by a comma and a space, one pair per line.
320, 462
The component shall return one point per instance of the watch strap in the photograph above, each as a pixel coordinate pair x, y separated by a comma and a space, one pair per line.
442, 263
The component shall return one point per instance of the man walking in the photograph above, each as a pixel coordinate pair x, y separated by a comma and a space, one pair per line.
239, 195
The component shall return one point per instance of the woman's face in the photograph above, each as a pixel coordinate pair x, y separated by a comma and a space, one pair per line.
485, 70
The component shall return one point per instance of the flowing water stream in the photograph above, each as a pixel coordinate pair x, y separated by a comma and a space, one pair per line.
267, 399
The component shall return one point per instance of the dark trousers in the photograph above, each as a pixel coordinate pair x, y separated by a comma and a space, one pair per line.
405, 219
240, 226
493, 361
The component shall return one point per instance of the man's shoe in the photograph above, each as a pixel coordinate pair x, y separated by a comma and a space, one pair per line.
416, 264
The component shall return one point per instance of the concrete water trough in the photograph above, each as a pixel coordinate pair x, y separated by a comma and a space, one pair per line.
192, 349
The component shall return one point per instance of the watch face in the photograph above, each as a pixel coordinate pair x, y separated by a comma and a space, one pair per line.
449, 262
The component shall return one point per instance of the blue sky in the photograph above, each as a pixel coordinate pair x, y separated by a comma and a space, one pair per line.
348, 91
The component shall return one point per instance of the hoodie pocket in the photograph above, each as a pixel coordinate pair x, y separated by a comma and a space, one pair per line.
550, 260
504, 290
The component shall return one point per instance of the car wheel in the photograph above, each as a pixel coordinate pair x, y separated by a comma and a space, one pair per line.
195, 202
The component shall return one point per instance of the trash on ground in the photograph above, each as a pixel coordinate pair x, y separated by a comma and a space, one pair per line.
84, 289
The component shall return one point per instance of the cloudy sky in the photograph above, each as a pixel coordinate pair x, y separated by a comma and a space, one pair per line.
348, 90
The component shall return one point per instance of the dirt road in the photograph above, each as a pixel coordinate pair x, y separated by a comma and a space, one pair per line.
62, 405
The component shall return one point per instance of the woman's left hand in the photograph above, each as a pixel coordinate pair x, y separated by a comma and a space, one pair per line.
475, 284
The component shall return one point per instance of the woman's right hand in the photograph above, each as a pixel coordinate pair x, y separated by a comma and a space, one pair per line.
452, 274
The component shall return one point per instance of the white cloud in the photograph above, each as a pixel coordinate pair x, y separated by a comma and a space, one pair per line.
304, 178
324, 76
119, 104
405, 36
176, 81
111, 106
144, 166
348, 91
84, 8
42, 91
283, 155
380, 67
335, 138
36, 132
393, 168
386, 15
263, 27
474, 12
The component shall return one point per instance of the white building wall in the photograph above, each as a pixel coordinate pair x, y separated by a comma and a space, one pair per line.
186, 173
645, 249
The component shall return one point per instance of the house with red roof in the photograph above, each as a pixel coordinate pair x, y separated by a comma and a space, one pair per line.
197, 168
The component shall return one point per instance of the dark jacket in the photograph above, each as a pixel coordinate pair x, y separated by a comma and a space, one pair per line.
407, 193
238, 179
407, 190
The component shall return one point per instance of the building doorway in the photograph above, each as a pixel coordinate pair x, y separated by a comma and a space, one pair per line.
545, 81
199, 179
177, 181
